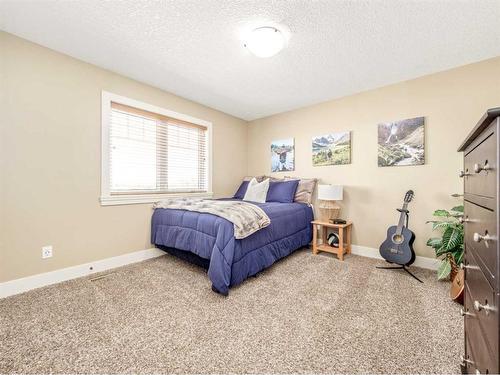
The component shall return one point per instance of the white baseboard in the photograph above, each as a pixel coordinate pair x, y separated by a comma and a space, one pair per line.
24, 284
370, 252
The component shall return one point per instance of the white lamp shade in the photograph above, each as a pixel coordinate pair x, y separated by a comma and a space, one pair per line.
330, 192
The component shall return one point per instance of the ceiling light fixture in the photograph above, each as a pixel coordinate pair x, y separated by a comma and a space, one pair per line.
265, 41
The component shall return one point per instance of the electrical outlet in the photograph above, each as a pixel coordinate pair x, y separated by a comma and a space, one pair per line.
47, 252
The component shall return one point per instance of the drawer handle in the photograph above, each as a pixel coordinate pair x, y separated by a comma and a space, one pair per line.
478, 238
466, 267
463, 174
466, 361
478, 307
478, 168
464, 313
463, 219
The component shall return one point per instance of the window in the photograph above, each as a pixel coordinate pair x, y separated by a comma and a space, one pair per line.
150, 153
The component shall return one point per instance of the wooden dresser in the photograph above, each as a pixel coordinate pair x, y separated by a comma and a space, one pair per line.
481, 261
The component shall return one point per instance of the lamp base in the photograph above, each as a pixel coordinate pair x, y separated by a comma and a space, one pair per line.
330, 214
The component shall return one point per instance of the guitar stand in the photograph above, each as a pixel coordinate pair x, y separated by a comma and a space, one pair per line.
400, 268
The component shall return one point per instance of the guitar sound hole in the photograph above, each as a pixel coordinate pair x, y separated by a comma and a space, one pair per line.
397, 238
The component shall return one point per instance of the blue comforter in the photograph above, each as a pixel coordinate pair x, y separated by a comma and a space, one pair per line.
232, 261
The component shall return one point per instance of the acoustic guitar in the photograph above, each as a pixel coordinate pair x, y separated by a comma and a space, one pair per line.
398, 246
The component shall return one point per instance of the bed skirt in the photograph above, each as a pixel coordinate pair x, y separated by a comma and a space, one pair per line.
186, 256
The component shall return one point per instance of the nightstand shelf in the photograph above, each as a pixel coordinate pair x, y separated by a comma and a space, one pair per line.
344, 233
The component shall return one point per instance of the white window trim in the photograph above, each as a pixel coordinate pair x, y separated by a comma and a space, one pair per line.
106, 198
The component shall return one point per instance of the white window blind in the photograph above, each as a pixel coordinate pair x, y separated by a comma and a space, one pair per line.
152, 153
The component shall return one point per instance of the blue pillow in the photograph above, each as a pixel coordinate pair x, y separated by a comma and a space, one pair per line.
240, 193
282, 192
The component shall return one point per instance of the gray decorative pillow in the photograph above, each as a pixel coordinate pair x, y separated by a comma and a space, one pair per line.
276, 179
305, 189
258, 178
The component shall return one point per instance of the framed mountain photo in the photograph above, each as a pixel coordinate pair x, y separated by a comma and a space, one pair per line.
401, 143
331, 149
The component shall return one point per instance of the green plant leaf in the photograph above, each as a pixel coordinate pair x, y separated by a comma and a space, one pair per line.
442, 250
441, 225
459, 256
458, 208
441, 213
451, 238
434, 242
456, 239
444, 269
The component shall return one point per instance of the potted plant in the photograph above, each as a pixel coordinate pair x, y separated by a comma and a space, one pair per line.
450, 246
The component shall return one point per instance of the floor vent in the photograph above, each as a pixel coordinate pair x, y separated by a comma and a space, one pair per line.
100, 277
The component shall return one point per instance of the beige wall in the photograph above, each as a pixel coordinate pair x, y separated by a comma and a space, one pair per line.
50, 154
50, 160
452, 102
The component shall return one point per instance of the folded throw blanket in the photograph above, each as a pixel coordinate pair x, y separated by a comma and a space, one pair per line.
247, 218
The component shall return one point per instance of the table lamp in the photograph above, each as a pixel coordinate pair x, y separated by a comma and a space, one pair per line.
328, 195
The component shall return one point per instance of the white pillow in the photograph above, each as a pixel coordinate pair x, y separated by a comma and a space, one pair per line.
257, 191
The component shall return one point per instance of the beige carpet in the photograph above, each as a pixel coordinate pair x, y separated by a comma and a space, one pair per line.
306, 314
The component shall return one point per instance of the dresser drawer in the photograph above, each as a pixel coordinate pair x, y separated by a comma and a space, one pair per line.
479, 358
480, 229
480, 166
481, 305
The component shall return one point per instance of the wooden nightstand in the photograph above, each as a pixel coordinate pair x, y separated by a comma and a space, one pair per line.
344, 232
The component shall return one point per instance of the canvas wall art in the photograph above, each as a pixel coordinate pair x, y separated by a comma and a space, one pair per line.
331, 149
282, 155
401, 142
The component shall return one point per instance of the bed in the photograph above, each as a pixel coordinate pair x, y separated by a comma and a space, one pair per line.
209, 240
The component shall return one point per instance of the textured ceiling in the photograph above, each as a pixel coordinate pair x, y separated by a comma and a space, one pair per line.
194, 48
